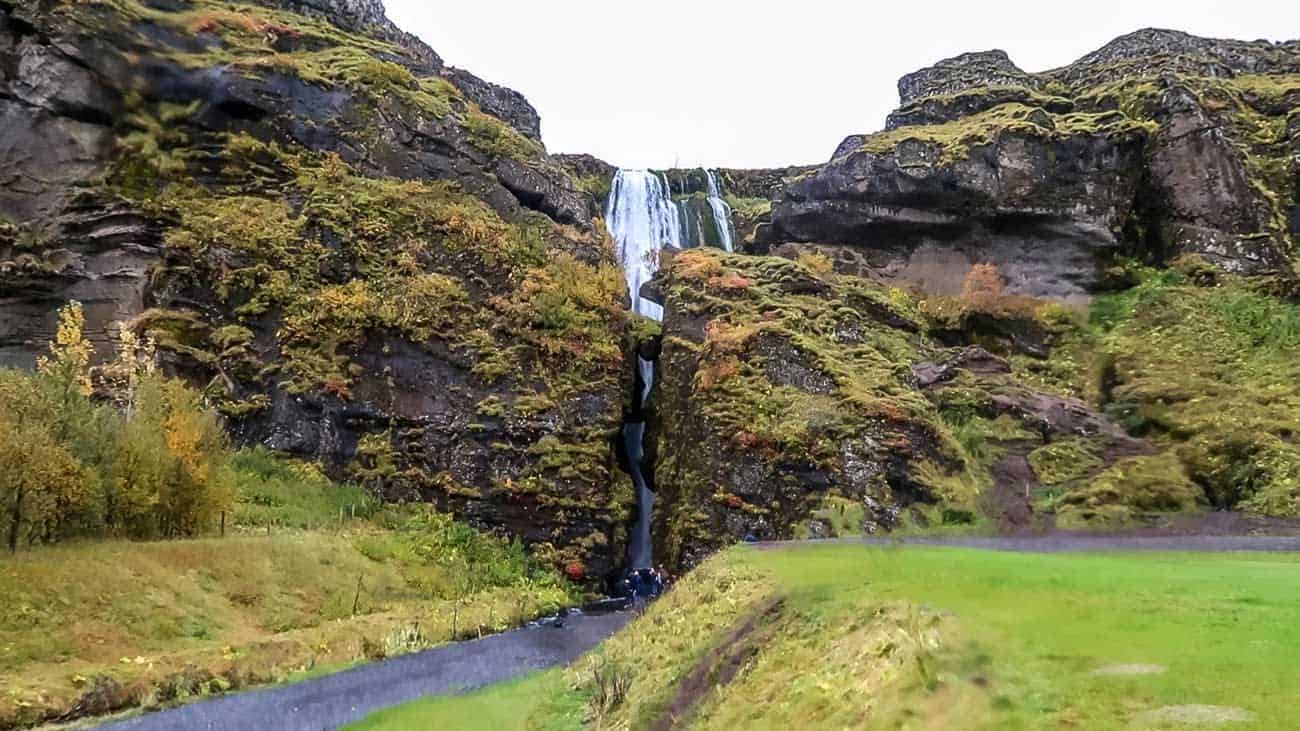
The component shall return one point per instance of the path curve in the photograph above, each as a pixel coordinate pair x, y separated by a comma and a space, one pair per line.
334, 700
1067, 542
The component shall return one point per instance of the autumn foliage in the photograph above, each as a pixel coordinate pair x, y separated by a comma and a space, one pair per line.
150, 462
983, 285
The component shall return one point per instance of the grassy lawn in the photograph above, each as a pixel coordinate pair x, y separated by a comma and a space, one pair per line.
936, 638
507, 706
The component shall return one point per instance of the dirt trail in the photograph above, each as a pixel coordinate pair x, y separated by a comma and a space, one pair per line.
720, 665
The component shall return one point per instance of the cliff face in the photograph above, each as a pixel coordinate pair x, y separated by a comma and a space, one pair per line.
367, 256
1157, 145
1014, 302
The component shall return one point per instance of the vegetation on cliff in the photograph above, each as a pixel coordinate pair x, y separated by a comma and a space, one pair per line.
1202, 363
312, 572
332, 230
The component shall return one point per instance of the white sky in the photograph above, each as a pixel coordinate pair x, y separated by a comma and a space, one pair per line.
735, 83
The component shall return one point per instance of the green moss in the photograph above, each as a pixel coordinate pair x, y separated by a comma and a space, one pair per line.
749, 209
1207, 372
1128, 490
322, 54
497, 138
597, 186
1064, 461
794, 367
955, 139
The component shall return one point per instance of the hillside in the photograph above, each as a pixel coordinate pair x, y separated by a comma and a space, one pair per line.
836, 636
1033, 301
363, 256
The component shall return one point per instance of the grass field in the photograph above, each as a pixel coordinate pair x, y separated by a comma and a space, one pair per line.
931, 638
314, 576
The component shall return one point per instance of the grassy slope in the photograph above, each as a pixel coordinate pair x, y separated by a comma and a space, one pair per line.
950, 638
102, 625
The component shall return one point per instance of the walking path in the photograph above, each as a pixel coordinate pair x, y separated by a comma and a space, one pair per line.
334, 700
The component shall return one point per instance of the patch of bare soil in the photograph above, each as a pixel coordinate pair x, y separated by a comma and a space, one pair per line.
720, 665
1130, 669
1196, 714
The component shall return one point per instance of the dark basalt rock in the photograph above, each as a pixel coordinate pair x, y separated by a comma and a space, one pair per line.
973, 359
1044, 211
1047, 176
505, 104
1157, 51
950, 107
1200, 173
960, 73
71, 227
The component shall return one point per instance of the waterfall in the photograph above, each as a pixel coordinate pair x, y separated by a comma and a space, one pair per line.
721, 211
643, 219
640, 550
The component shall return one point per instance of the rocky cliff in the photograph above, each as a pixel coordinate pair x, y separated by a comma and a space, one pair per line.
366, 256
1157, 145
1014, 304
1033, 299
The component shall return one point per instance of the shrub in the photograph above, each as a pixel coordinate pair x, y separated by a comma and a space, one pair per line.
154, 464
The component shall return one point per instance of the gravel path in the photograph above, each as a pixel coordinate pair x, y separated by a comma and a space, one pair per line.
333, 700
1062, 542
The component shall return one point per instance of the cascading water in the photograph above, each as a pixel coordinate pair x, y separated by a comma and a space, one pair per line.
721, 211
643, 219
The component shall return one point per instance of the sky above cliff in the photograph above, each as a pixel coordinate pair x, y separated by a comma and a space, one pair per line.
743, 84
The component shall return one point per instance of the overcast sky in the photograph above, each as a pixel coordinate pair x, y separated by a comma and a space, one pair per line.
752, 83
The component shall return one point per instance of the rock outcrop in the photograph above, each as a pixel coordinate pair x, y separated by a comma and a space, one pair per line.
1157, 145
367, 257
784, 386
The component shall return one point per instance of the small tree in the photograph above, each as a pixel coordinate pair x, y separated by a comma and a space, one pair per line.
66, 370
982, 287
42, 484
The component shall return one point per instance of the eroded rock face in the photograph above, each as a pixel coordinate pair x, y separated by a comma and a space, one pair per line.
505, 104
172, 191
1157, 51
1202, 176
757, 422
960, 73
782, 388
1044, 211
1148, 147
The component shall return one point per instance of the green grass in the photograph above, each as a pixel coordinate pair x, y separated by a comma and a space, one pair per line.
311, 576
938, 638
273, 491
507, 706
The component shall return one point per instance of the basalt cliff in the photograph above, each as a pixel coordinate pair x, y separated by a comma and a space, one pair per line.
1033, 299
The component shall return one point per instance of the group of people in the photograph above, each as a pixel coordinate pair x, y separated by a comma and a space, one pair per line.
638, 584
